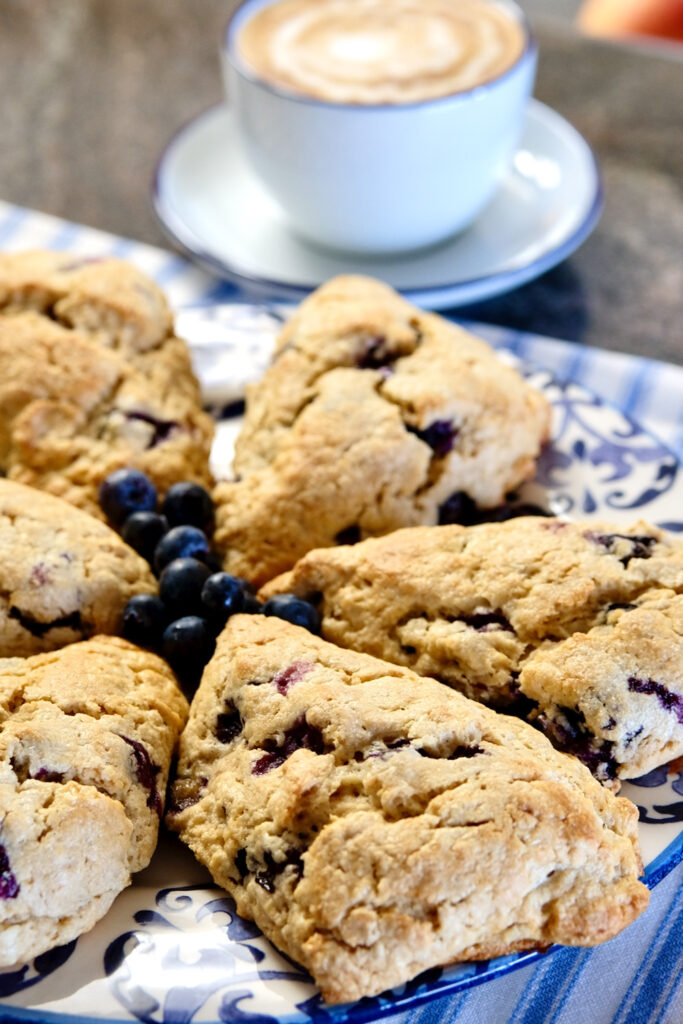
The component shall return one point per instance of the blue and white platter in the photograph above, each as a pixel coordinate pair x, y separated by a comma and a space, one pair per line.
172, 949
212, 207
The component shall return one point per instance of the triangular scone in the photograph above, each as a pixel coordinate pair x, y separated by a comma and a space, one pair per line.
72, 411
106, 298
375, 824
370, 417
86, 741
64, 575
576, 626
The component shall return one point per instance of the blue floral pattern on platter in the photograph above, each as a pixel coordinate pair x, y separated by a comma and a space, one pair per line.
180, 953
600, 461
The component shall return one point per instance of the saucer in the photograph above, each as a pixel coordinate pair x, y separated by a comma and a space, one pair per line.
212, 206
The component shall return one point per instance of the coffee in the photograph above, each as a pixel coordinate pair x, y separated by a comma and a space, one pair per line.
380, 51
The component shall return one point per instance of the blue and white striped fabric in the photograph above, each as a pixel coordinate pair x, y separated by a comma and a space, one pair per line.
636, 978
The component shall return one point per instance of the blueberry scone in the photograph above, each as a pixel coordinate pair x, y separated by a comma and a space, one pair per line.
108, 299
86, 739
64, 575
72, 411
576, 626
371, 416
374, 824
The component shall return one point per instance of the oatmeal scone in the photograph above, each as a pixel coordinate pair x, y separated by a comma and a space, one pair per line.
374, 824
72, 411
64, 576
86, 739
500, 611
371, 416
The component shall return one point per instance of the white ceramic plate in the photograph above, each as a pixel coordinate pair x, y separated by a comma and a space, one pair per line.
211, 205
172, 948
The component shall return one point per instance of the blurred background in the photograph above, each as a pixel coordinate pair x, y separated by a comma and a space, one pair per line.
93, 90
566, 9
634, 19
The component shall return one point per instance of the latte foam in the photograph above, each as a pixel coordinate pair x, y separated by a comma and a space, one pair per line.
380, 51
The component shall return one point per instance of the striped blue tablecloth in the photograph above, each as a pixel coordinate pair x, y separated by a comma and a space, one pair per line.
635, 978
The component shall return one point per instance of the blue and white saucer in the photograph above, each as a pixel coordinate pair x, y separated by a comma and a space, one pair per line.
213, 208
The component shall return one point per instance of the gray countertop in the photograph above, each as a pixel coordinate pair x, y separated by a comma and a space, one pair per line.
93, 89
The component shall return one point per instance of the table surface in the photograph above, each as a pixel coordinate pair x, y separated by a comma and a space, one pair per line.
92, 90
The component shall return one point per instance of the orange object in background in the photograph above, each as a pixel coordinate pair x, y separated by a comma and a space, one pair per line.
662, 18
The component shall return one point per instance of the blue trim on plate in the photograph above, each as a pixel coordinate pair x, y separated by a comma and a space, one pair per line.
657, 870
437, 296
9, 1014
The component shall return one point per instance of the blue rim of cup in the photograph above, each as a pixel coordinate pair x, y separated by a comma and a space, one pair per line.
241, 68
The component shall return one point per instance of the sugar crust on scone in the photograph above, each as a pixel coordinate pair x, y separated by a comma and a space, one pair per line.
577, 626
375, 824
86, 739
370, 417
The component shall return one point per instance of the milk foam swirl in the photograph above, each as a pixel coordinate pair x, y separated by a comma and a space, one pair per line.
380, 51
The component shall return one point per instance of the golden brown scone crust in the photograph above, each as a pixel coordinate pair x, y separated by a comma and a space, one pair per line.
73, 412
107, 299
375, 824
578, 626
86, 739
92, 378
370, 417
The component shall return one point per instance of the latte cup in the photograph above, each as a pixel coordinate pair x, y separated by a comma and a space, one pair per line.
383, 178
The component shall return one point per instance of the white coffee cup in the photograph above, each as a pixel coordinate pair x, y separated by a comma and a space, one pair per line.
385, 178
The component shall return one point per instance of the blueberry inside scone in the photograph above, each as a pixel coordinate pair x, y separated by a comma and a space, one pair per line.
614, 694
106, 298
574, 626
64, 575
93, 379
86, 740
374, 824
372, 416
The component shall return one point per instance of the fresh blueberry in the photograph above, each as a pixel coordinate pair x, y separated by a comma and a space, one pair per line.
143, 531
222, 596
187, 644
126, 491
180, 586
188, 504
181, 542
214, 562
143, 620
251, 606
294, 610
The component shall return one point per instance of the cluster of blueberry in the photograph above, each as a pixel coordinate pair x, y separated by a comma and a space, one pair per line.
195, 597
